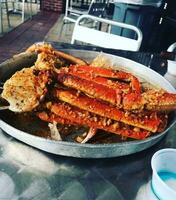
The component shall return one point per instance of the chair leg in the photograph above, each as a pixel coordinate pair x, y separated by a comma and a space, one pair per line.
23, 11
30, 1
13, 5
38, 5
61, 29
109, 28
1, 22
29, 7
17, 5
7, 13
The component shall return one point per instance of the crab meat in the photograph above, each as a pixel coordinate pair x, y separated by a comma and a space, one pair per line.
98, 83
109, 73
147, 120
26, 88
80, 116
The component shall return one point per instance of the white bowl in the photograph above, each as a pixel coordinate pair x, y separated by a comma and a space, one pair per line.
164, 161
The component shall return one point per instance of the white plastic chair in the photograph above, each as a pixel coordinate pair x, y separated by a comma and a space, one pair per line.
71, 13
171, 67
105, 39
95, 8
21, 9
172, 47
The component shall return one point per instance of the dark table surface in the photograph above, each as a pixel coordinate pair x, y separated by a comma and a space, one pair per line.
28, 173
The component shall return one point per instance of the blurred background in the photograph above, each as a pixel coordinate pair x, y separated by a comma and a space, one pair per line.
155, 18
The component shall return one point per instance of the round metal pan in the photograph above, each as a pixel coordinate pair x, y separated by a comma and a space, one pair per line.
25, 132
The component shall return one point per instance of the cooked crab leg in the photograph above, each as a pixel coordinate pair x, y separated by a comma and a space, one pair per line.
47, 48
159, 100
152, 100
109, 73
85, 118
91, 88
51, 117
103, 92
125, 87
146, 121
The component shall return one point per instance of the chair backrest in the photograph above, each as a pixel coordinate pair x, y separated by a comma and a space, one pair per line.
172, 47
104, 39
78, 7
97, 9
